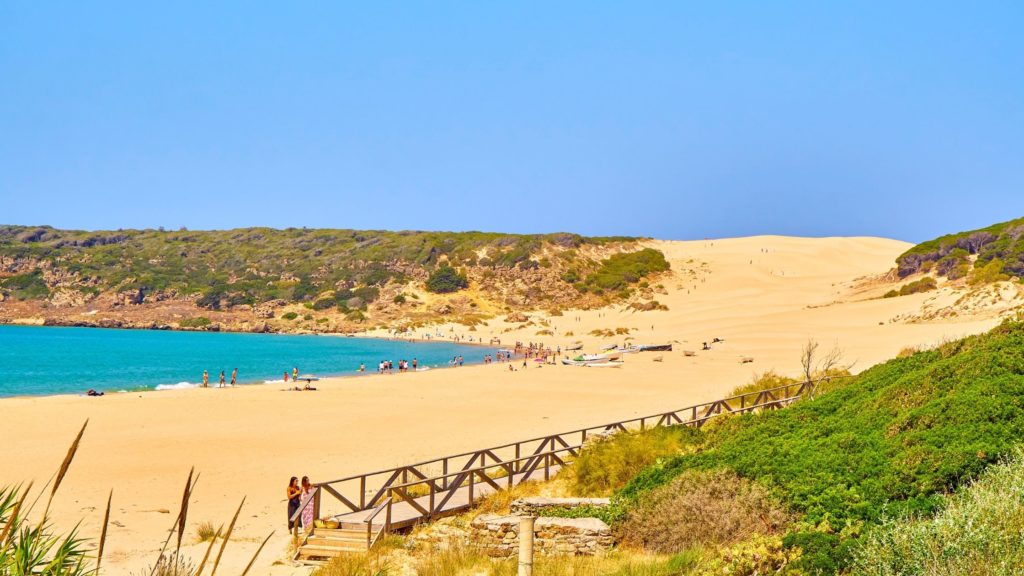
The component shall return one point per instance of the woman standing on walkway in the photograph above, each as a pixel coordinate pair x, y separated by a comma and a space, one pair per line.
307, 512
294, 493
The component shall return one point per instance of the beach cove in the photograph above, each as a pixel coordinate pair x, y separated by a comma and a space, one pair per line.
246, 441
58, 360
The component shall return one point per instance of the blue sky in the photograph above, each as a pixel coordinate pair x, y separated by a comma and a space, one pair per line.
673, 120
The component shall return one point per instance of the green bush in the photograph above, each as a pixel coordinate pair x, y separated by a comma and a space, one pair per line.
977, 532
925, 284
289, 316
620, 270
26, 286
324, 304
445, 280
701, 508
194, 322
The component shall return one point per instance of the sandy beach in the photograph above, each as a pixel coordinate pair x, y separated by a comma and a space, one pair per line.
764, 296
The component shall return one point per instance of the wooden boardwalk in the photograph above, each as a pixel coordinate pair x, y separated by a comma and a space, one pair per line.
367, 506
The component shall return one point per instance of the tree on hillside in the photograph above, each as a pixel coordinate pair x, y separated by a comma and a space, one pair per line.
445, 280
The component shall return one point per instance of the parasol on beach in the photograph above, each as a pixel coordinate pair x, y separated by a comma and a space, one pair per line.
307, 377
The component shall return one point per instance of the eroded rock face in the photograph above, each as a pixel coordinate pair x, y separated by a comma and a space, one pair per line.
68, 298
517, 318
130, 298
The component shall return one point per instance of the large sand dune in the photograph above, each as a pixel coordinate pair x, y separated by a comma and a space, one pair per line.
765, 296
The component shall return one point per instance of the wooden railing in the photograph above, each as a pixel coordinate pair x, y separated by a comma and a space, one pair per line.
371, 536
430, 486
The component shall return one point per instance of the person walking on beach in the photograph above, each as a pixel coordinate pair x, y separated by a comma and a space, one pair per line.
295, 373
234, 376
415, 363
307, 512
294, 493
221, 383
285, 375
206, 379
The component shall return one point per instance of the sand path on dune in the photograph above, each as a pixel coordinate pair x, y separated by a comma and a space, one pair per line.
765, 296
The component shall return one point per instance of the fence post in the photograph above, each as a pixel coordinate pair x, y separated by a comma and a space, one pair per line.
316, 503
526, 545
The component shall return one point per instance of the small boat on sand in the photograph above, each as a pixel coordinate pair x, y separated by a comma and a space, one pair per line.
604, 364
654, 347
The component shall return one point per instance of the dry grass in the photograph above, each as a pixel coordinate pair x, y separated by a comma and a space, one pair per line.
608, 464
206, 531
463, 561
374, 564
764, 381
701, 508
499, 502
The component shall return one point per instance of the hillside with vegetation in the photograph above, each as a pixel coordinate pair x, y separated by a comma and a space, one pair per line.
995, 252
307, 279
843, 482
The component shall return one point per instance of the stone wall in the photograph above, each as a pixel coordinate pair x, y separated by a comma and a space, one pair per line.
498, 536
535, 506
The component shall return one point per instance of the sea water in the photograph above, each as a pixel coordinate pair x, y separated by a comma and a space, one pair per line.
54, 360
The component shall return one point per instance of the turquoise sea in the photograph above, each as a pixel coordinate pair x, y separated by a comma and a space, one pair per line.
52, 360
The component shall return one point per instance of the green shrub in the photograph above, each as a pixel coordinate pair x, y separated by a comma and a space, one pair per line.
977, 532
289, 316
701, 508
988, 273
194, 322
925, 284
26, 286
445, 280
324, 304
620, 270
399, 299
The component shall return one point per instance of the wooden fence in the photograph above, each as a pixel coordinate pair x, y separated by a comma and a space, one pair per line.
445, 485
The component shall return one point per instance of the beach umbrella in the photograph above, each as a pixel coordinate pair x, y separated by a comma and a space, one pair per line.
307, 377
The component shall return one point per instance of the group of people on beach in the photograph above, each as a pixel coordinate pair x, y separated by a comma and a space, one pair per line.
222, 383
297, 492
388, 367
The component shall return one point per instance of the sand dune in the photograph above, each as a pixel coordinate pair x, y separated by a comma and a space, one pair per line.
765, 296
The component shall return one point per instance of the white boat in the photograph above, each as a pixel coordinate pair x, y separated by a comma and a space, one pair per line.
606, 357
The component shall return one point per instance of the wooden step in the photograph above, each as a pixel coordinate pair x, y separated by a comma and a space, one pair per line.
327, 552
316, 540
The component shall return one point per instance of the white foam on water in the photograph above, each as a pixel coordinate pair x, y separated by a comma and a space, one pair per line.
178, 386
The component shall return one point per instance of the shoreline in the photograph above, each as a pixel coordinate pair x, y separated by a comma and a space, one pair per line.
185, 385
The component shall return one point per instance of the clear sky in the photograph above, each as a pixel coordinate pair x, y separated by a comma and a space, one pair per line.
673, 120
